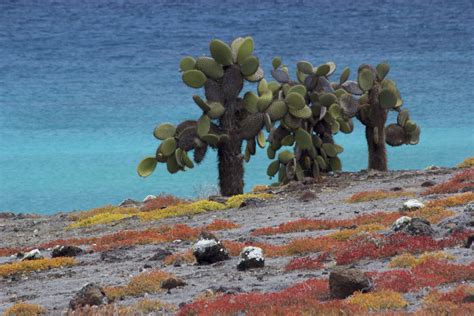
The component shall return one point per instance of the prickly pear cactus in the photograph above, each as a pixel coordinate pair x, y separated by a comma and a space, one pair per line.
227, 120
377, 97
309, 111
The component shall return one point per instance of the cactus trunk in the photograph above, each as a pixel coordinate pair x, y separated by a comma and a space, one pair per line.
377, 151
376, 140
231, 168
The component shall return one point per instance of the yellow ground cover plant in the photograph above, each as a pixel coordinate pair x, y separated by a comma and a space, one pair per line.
345, 234
377, 195
408, 260
147, 282
25, 309
454, 200
467, 163
378, 301
26, 266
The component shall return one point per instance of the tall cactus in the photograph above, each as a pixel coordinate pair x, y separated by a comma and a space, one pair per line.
310, 111
378, 96
226, 121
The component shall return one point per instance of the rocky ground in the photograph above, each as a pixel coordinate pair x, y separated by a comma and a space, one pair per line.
54, 289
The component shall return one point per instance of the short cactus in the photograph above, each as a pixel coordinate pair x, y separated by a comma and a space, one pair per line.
378, 96
227, 119
310, 111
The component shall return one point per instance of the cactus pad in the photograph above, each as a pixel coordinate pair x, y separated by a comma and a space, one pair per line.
388, 99
221, 52
164, 131
245, 50
210, 67
146, 166
366, 79
249, 66
194, 78
187, 63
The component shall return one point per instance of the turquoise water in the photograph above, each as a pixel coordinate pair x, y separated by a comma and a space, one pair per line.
83, 83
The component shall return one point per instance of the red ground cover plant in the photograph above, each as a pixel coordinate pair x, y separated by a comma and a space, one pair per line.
221, 224
161, 201
305, 224
428, 274
300, 299
307, 263
457, 183
388, 246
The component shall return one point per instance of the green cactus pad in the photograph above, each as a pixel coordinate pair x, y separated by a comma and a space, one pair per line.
321, 162
332, 67
210, 67
305, 67
317, 141
303, 138
245, 50
159, 156
301, 76
221, 52
164, 131
146, 166
346, 126
335, 110
247, 155
201, 103
402, 117
257, 76
261, 139
186, 160
340, 92
270, 152
276, 62
410, 126
288, 140
250, 100
264, 101
335, 164
327, 99
299, 172
323, 70
211, 139
366, 79
285, 156
376, 135
194, 78
249, 66
388, 99
352, 87
273, 168
382, 70
414, 137
304, 113
216, 110
172, 165
168, 146
282, 178
274, 86
295, 101
299, 88
291, 122
335, 126
330, 149
345, 75
187, 63
267, 122
235, 45
394, 135
364, 99
262, 87
203, 125
179, 157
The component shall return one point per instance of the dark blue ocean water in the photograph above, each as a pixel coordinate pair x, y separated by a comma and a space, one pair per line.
83, 83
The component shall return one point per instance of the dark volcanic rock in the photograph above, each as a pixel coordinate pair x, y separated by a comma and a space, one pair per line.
116, 255
252, 202
415, 226
428, 183
469, 241
307, 196
171, 283
7, 215
66, 251
251, 257
160, 254
91, 295
344, 282
32, 255
208, 249
468, 299
469, 208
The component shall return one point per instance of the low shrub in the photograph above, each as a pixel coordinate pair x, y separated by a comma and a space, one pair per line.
454, 200
25, 309
237, 200
180, 258
467, 163
147, 282
378, 301
377, 195
26, 266
98, 219
179, 210
345, 234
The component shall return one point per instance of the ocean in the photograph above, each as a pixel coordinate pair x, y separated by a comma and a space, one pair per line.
83, 84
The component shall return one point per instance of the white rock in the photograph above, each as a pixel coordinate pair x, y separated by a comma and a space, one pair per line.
413, 204
32, 255
253, 253
149, 197
203, 244
400, 222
